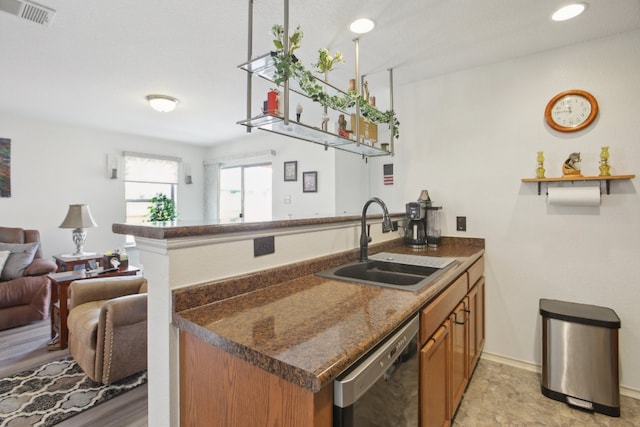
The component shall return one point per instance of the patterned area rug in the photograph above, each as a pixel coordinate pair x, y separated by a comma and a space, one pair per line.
51, 393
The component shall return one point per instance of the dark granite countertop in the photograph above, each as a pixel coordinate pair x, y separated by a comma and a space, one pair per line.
308, 329
173, 229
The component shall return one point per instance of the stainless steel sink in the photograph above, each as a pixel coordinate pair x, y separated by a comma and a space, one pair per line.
407, 272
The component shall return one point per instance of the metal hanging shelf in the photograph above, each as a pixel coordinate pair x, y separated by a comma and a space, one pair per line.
264, 67
606, 178
275, 124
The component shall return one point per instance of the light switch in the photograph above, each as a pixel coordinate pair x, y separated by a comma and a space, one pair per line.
461, 223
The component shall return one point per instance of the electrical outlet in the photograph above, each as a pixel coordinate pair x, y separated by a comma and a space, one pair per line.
263, 246
394, 225
461, 223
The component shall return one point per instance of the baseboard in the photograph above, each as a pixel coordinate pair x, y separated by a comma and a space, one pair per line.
630, 392
516, 363
534, 367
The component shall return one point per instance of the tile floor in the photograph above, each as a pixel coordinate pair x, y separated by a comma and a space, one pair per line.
501, 395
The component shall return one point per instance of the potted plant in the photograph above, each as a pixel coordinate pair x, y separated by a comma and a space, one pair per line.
326, 61
286, 65
294, 40
162, 209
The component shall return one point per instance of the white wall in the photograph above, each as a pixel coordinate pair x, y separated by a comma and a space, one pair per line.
470, 137
349, 174
55, 165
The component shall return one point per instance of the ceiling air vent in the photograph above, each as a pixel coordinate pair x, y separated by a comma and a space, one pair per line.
28, 10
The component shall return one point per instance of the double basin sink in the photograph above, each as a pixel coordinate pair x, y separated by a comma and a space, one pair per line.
398, 271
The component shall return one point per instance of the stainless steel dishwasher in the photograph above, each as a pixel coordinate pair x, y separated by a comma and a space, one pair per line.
381, 389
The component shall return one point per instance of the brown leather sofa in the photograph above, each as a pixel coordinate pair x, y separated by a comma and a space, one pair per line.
108, 326
26, 298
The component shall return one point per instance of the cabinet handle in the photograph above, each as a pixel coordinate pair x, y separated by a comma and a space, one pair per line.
466, 317
437, 336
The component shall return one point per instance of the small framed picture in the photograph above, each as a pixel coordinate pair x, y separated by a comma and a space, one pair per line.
291, 171
310, 182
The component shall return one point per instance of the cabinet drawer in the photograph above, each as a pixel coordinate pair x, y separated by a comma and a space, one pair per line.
476, 271
434, 314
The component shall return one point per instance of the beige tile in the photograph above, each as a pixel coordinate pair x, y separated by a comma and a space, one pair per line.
501, 395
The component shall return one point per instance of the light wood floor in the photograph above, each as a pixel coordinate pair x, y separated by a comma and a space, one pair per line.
26, 347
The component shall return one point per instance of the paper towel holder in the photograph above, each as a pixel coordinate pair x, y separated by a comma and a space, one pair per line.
575, 196
607, 180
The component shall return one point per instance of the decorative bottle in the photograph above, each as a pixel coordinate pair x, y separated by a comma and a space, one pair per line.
604, 165
540, 168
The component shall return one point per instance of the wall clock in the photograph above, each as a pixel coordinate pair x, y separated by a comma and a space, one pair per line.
571, 110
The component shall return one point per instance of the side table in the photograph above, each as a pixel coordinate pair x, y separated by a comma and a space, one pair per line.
60, 302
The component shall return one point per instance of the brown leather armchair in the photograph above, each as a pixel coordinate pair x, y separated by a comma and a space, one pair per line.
108, 326
27, 298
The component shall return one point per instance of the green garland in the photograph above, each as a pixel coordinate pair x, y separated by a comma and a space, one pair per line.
289, 67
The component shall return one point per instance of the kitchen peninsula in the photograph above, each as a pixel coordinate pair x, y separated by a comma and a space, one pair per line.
277, 326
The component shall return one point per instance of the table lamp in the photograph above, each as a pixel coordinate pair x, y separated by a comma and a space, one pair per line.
79, 217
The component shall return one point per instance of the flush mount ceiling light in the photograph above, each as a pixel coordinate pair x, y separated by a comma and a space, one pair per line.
162, 103
362, 26
569, 11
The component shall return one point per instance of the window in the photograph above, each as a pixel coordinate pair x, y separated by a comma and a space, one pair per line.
245, 193
144, 177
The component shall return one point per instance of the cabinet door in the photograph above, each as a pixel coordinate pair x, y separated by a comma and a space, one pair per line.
459, 321
474, 352
434, 379
480, 334
476, 323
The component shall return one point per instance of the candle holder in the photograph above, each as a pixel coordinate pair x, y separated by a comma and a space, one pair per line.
540, 168
604, 165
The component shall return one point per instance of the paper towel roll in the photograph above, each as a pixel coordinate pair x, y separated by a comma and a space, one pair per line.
578, 196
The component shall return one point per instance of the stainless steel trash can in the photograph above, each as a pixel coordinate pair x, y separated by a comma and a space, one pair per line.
580, 355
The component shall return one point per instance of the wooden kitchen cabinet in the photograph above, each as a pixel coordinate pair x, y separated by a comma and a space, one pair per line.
459, 375
436, 361
452, 336
218, 389
434, 369
476, 324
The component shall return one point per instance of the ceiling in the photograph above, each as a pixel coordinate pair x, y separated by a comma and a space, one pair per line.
96, 61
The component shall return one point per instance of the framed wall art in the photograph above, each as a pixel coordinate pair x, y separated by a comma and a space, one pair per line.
5, 167
310, 182
291, 171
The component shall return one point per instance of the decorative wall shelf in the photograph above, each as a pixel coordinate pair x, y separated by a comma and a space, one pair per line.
606, 179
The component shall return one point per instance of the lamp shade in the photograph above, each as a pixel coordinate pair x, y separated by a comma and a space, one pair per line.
78, 216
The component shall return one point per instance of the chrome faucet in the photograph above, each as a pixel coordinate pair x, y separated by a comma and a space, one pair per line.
364, 232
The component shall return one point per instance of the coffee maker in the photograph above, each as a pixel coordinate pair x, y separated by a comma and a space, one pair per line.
415, 233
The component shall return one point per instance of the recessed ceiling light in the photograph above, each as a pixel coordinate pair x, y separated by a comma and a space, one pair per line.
163, 103
362, 26
569, 11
